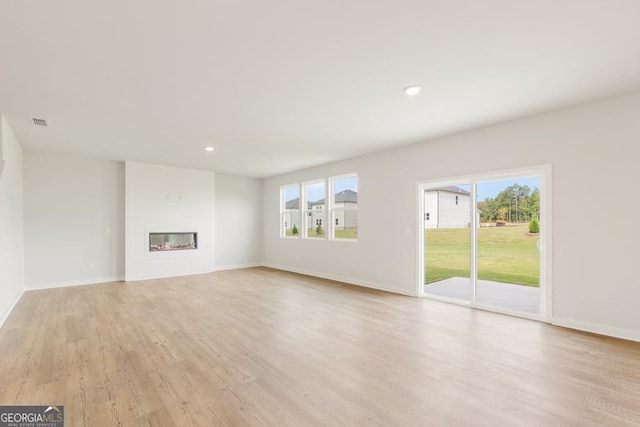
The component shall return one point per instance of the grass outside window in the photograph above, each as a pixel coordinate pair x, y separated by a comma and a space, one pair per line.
505, 254
351, 233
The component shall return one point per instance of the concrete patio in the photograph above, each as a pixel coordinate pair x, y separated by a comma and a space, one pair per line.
505, 295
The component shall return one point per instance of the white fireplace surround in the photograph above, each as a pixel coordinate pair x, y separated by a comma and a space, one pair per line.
171, 200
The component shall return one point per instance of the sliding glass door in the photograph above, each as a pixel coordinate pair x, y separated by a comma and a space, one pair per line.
481, 242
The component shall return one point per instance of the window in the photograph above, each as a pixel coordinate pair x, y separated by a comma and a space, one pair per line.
314, 201
344, 206
304, 211
290, 210
456, 200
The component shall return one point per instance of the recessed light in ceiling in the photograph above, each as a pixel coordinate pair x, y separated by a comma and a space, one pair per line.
209, 149
412, 90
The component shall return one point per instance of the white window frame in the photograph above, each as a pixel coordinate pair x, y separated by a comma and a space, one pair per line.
332, 209
283, 210
308, 219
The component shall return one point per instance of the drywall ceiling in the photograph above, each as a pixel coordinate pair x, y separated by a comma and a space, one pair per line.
282, 85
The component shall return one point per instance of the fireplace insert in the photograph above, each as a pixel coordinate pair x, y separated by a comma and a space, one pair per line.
172, 241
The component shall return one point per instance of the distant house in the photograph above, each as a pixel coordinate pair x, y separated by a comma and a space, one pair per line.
292, 214
447, 207
343, 217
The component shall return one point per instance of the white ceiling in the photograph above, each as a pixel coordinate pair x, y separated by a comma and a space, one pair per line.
282, 85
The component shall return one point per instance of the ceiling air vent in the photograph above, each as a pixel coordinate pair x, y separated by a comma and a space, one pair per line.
39, 122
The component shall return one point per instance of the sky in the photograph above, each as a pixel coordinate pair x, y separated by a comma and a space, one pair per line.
491, 189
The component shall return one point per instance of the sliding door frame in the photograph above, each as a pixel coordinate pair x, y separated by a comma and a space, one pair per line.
541, 171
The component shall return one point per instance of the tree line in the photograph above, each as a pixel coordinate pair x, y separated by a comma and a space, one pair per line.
517, 203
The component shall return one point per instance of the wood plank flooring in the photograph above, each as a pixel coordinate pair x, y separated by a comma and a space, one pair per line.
260, 347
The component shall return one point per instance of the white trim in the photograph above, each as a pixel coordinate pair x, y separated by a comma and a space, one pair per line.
473, 243
138, 279
420, 240
212, 222
546, 282
357, 282
238, 266
597, 328
9, 308
283, 234
344, 175
95, 281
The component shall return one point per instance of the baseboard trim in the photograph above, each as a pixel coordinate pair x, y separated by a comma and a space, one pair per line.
53, 285
597, 328
238, 266
12, 304
168, 276
348, 280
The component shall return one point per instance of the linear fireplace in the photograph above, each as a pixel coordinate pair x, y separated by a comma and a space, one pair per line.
172, 241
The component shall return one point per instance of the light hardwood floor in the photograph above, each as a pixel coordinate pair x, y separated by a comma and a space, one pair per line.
260, 347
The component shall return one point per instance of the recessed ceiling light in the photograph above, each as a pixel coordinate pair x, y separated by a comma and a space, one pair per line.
412, 90
209, 149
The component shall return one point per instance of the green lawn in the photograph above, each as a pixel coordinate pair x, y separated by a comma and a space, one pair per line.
351, 233
505, 254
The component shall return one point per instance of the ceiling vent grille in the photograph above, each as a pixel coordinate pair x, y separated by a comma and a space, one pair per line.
39, 122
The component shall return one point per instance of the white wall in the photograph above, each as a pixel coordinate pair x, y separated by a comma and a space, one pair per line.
593, 150
11, 220
168, 199
238, 222
74, 220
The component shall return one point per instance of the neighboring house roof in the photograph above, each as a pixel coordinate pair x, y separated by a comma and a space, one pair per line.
293, 203
345, 196
452, 189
